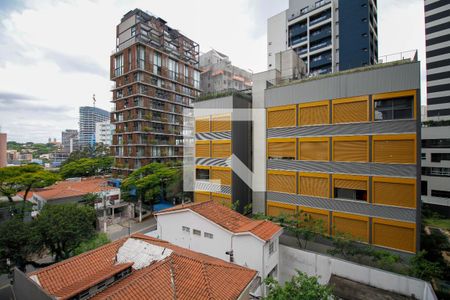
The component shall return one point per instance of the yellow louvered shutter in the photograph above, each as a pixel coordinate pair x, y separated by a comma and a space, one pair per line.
350, 111
350, 150
401, 193
275, 210
202, 149
318, 215
221, 174
394, 234
313, 115
310, 149
281, 149
221, 149
202, 124
281, 117
394, 150
356, 227
350, 184
283, 182
314, 186
201, 196
220, 123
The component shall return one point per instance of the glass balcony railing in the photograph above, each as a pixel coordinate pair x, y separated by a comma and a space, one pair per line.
320, 19
320, 45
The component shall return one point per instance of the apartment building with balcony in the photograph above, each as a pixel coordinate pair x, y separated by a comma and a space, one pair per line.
223, 145
345, 150
328, 35
89, 116
156, 78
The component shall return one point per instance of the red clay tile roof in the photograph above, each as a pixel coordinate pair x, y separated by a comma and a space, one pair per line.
182, 275
69, 188
229, 219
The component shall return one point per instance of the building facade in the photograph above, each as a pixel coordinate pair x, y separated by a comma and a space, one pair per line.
223, 138
89, 116
345, 150
156, 75
104, 132
3, 150
218, 74
328, 35
69, 140
437, 30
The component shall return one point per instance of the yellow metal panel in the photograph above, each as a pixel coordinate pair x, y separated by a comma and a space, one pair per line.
312, 185
201, 196
394, 191
400, 149
284, 182
281, 148
202, 124
355, 226
284, 116
221, 123
221, 149
393, 95
314, 149
351, 149
202, 149
318, 214
394, 234
350, 110
314, 113
275, 209
223, 175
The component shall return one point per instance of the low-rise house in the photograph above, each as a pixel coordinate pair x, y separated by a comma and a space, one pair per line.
74, 190
216, 230
137, 267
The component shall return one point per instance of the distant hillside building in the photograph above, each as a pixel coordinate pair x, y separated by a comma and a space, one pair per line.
89, 116
218, 74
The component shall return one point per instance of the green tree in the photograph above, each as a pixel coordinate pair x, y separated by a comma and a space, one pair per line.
24, 178
98, 240
424, 269
90, 199
62, 228
86, 167
300, 287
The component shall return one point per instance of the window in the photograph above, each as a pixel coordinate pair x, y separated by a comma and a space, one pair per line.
394, 109
423, 156
173, 69
186, 229
424, 187
272, 247
202, 174
156, 63
350, 194
442, 194
196, 79
140, 57
197, 232
208, 235
437, 157
133, 31
436, 143
440, 172
118, 63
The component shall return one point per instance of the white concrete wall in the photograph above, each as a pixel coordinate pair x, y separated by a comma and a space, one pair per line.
276, 37
314, 264
248, 251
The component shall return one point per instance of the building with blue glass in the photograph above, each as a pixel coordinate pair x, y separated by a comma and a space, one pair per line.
328, 35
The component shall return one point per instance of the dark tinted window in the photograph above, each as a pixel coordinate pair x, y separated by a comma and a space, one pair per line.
394, 109
202, 174
440, 172
424, 188
437, 157
341, 193
436, 143
442, 194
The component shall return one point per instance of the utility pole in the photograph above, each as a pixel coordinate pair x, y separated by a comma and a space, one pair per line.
105, 227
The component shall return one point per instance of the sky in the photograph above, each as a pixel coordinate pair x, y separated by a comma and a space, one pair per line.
54, 54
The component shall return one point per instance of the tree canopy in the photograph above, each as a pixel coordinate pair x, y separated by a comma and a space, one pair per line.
86, 167
300, 287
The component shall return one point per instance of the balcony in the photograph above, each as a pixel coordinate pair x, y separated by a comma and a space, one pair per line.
319, 18
320, 60
320, 34
319, 45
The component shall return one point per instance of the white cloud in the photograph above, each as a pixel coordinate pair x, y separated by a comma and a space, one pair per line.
57, 52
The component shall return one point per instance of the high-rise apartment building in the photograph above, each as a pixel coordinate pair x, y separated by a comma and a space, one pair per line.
89, 116
218, 74
436, 131
328, 35
69, 140
156, 75
3, 149
345, 150
104, 132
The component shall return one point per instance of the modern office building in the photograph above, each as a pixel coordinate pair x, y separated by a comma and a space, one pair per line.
89, 116
436, 131
218, 74
104, 132
156, 75
343, 149
223, 145
3, 149
69, 140
437, 29
328, 35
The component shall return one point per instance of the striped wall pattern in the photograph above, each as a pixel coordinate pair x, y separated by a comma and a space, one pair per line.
212, 187
213, 162
368, 169
205, 136
370, 128
347, 206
